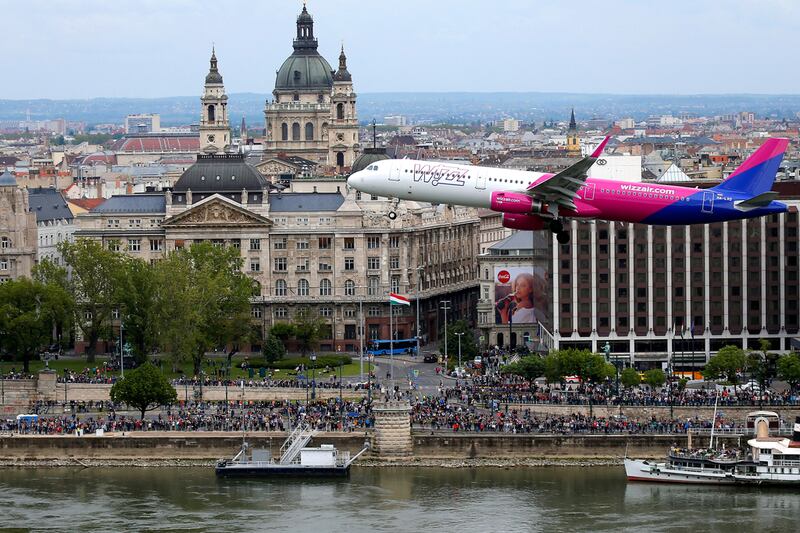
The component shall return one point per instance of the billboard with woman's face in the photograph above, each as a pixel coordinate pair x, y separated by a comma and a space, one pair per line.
521, 295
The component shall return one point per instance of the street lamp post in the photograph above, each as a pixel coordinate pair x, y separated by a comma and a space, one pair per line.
313, 376
459, 335
121, 359
445, 306
419, 284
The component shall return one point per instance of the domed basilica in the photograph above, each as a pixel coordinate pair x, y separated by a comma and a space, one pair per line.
313, 114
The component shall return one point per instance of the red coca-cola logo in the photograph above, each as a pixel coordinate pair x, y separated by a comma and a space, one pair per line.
503, 276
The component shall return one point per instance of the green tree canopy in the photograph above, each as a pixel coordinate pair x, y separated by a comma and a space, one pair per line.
655, 377
589, 367
95, 280
29, 310
274, 349
144, 388
283, 330
136, 295
728, 362
789, 369
202, 301
630, 378
469, 348
307, 330
530, 367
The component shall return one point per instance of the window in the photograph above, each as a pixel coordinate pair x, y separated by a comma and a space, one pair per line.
349, 263
325, 221
394, 262
373, 263
113, 246
295, 131
156, 245
284, 132
373, 242
236, 243
302, 244
303, 264
309, 131
394, 241
395, 284
280, 312
325, 264
374, 311
112, 223
325, 311
280, 244
373, 285
302, 287
218, 243
255, 244
135, 223
325, 287
324, 243
349, 288
349, 243
280, 264
134, 245
255, 265
301, 221
255, 312
280, 287
350, 312
5, 243
3, 264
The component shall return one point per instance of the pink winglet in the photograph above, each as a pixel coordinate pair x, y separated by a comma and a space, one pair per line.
599, 150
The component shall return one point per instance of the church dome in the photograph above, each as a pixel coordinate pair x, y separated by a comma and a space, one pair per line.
220, 173
369, 156
305, 69
7, 179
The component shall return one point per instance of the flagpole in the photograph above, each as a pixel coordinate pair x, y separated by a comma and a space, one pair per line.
391, 345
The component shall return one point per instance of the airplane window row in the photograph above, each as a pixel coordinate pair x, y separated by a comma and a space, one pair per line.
629, 193
372, 167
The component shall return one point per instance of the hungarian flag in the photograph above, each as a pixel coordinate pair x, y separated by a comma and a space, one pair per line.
398, 299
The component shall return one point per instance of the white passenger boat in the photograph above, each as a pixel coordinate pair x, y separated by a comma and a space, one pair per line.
767, 461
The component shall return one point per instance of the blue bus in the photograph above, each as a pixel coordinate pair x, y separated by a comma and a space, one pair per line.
399, 347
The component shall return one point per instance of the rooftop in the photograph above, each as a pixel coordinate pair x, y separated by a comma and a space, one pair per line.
133, 203
48, 204
305, 202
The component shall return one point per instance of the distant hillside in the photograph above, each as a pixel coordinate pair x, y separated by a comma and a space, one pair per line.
419, 107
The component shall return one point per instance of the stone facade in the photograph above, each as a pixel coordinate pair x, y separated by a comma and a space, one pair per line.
17, 231
215, 131
392, 437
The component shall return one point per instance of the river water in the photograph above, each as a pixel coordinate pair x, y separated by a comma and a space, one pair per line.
435, 500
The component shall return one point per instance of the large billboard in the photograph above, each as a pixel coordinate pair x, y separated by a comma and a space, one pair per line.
521, 295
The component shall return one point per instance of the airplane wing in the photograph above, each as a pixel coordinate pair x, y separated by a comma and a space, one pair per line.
561, 188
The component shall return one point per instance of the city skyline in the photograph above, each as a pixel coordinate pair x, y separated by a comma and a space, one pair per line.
108, 50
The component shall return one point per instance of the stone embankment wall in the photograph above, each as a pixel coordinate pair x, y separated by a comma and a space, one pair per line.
737, 414
392, 436
211, 446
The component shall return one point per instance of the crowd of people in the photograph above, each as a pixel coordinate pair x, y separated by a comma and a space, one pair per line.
323, 415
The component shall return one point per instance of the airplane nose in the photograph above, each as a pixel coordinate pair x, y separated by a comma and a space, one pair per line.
355, 180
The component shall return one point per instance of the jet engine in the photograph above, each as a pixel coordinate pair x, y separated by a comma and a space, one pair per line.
523, 222
515, 202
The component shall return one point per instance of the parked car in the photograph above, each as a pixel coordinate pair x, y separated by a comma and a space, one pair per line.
428, 357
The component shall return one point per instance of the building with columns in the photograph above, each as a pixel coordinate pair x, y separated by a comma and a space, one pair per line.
313, 113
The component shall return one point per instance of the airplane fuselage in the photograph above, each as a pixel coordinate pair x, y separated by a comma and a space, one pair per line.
473, 186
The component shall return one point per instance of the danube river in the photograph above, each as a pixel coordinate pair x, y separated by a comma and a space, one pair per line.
434, 500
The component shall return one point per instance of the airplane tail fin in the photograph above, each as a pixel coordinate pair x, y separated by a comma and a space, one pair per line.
757, 173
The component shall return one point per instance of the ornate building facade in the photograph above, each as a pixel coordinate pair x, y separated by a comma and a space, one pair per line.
17, 230
313, 114
215, 130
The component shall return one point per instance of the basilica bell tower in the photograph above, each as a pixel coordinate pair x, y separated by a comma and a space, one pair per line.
215, 131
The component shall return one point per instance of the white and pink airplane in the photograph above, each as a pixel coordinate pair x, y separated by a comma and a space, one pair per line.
537, 201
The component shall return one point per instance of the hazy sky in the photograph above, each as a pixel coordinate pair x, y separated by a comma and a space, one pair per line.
150, 48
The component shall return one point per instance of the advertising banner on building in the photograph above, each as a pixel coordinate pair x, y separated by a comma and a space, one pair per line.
520, 295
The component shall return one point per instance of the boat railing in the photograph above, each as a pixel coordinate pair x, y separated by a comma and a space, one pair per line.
783, 462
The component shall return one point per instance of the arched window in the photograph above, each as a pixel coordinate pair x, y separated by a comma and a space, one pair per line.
302, 287
211, 113
284, 132
340, 111
5, 243
339, 159
349, 288
325, 287
296, 131
280, 287
309, 131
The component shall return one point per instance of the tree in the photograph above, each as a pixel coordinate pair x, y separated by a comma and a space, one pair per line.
95, 276
274, 349
202, 301
655, 377
28, 311
283, 330
630, 378
469, 348
530, 367
789, 369
55, 277
307, 330
728, 362
588, 366
136, 296
144, 388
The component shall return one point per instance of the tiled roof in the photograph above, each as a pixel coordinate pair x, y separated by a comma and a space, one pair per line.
305, 201
48, 204
133, 203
